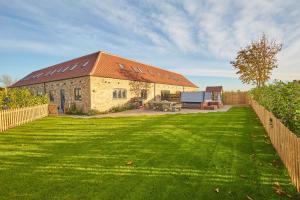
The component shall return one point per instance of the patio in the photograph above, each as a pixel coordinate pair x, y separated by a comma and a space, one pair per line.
145, 112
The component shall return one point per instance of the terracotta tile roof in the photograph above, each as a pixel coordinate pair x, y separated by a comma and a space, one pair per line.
104, 65
121, 68
214, 89
77, 67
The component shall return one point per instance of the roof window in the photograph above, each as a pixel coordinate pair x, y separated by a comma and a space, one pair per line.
48, 73
140, 70
53, 72
121, 66
135, 69
86, 63
74, 66
65, 69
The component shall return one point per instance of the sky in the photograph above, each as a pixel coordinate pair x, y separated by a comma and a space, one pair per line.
197, 38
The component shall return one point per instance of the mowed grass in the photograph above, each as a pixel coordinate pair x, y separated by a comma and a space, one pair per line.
151, 157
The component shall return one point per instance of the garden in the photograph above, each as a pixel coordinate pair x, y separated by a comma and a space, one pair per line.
196, 156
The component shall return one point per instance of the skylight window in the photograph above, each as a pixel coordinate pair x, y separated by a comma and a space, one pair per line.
121, 66
53, 72
48, 73
65, 69
140, 70
135, 69
150, 72
38, 75
74, 66
86, 63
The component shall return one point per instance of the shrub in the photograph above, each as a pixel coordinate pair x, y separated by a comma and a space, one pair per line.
20, 97
73, 110
94, 112
283, 100
129, 106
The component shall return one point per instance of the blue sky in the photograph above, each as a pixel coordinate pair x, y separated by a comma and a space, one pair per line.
193, 37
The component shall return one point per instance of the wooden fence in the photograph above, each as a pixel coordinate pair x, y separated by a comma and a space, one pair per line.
16, 117
286, 143
235, 98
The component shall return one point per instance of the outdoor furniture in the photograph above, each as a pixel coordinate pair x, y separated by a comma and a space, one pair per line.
165, 106
210, 107
216, 103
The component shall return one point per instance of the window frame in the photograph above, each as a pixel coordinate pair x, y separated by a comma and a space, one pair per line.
52, 95
119, 93
164, 93
77, 94
144, 94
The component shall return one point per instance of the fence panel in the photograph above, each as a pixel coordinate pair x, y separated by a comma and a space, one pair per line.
16, 117
286, 143
235, 98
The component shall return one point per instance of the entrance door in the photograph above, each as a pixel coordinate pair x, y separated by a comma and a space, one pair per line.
62, 100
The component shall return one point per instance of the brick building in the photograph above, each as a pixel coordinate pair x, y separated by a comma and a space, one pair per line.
101, 81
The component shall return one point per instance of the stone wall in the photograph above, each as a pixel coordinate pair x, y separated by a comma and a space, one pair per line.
102, 92
97, 92
68, 86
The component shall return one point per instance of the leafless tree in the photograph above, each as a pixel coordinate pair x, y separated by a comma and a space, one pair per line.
6, 80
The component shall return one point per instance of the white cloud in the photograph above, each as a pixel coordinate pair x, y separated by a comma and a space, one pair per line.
192, 30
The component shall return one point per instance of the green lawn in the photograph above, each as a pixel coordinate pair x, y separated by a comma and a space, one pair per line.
173, 157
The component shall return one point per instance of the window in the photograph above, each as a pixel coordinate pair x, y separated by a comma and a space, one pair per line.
48, 73
121, 66
77, 93
51, 95
135, 69
74, 66
165, 94
86, 63
119, 94
140, 70
53, 72
144, 94
65, 69
39, 93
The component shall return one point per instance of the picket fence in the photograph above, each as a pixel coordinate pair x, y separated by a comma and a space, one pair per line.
15, 117
286, 143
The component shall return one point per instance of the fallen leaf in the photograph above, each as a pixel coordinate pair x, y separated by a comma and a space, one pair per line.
289, 196
278, 189
277, 184
243, 176
130, 162
249, 198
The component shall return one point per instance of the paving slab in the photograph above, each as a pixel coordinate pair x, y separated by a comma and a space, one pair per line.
143, 112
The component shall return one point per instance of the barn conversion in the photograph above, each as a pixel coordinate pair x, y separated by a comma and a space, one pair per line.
100, 81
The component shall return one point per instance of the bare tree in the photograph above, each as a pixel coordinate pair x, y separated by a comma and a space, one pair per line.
6, 80
256, 62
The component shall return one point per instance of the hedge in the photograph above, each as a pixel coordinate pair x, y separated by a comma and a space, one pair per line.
283, 100
20, 97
